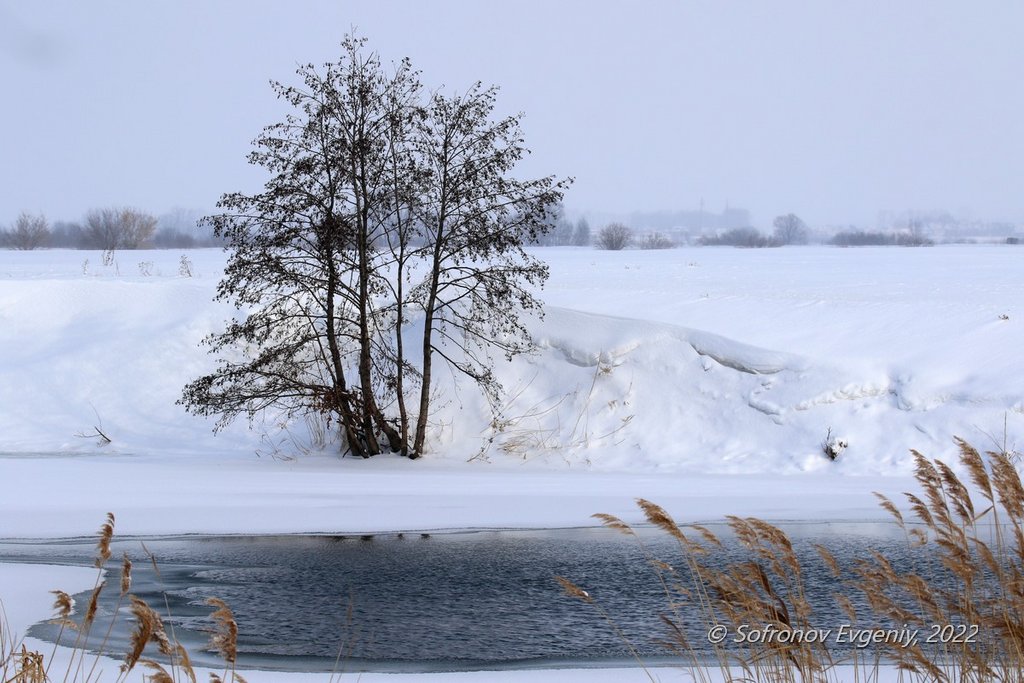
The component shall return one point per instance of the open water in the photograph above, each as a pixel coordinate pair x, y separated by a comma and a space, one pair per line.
427, 602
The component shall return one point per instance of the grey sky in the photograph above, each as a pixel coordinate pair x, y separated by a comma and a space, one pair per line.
832, 110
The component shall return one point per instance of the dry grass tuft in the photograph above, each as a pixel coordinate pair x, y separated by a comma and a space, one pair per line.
613, 522
126, 575
18, 666
30, 667
147, 624
889, 507
657, 516
103, 546
225, 637
572, 590
160, 675
235, 676
94, 602
64, 606
184, 661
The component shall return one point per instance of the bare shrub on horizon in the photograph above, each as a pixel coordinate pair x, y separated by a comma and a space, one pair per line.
614, 237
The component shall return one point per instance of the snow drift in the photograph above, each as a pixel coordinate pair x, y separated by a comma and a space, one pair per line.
874, 346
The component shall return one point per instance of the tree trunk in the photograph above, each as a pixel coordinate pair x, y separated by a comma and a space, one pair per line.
403, 414
421, 419
369, 407
428, 329
342, 406
372, 415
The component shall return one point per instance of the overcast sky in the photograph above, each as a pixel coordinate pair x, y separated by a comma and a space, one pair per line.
832, 110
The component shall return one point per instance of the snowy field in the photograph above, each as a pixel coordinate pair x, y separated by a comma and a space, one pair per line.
704, 379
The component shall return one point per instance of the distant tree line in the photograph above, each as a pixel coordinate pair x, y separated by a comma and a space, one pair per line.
789, 229
618, 236
112, 228
860, 238
563, 232
738, 237
656, 240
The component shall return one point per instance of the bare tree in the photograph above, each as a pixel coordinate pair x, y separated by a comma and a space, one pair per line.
581, 234
614, 237
30, 232
176, 229
477, 218
380, 207
304, 251
118, 228
790, 229
66, 235
914, 234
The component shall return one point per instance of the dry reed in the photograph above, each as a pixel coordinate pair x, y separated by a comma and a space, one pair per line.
24, 666
225, 636
972, 602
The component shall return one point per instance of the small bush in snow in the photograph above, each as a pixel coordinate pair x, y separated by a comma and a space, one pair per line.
118, 228
145, 268
790, 229
738, 237
614, 237
832, 447
657, 241
185, 266
30, 232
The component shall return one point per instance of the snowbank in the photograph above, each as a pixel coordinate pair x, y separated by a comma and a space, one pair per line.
706, 379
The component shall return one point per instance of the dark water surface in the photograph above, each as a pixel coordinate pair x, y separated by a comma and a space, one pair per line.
413, 602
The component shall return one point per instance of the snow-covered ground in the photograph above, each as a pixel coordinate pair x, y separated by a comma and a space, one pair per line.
705, 379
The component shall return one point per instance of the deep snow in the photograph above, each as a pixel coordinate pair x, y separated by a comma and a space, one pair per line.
709, 360
704, 379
